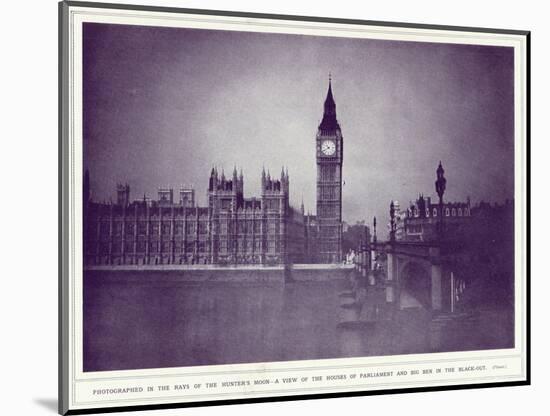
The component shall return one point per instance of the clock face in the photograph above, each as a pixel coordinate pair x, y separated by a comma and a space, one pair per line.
328, 147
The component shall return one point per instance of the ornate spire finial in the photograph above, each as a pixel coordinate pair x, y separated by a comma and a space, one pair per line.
329, 115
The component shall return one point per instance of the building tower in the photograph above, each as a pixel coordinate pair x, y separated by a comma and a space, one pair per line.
275, 206
329, 155
123, 194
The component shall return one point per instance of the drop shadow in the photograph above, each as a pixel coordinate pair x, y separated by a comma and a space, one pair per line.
49, 404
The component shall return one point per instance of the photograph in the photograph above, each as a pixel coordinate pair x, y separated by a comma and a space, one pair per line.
250, 201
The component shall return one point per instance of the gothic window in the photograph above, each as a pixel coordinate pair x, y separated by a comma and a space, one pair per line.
128, 246
104, 228
242, 227
140, 247
460, 212
190, 228
165, 246
467, 212
178, 228
142, 228
129, 228
154, 227
328, 210
427, 212
226, 203
327, 192
328, 173
202, 246
223, 227
153, 247
189, 247
203, 227
165, 228
117, 228
272, 204
447, 212
435, 212
453, 212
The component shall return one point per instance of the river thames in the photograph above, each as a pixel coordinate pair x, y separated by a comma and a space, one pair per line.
131, 323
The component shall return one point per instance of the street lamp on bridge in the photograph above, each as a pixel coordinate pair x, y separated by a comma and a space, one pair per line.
392, 222
440, 185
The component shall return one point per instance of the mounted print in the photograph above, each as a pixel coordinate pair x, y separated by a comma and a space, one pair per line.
264, 207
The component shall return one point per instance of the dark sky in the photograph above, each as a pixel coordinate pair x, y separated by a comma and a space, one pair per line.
163, 105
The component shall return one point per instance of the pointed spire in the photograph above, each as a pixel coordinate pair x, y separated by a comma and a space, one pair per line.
329, 98
329, 121
440, 171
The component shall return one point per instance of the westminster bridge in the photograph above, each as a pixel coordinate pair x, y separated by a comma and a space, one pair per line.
428, 272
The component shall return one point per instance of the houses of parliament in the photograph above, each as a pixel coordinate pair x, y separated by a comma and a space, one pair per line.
231, 229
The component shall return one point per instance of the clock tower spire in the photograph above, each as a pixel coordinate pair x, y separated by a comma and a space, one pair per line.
329, 155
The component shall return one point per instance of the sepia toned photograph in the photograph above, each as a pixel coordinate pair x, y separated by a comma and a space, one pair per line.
266, 207
259, 197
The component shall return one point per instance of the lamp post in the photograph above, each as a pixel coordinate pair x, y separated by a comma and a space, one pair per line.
374, 241
440, 185
392, 222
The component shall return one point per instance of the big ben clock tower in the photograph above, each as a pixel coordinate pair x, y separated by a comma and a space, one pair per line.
329, 155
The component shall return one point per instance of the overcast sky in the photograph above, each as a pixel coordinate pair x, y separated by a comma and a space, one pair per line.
163, 105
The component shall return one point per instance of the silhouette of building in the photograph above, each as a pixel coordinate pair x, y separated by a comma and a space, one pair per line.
422, 217
230, 230
324, 230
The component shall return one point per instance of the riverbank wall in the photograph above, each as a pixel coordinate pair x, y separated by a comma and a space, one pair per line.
210, 273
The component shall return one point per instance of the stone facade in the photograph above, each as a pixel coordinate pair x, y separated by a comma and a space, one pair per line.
422, 217
230, 230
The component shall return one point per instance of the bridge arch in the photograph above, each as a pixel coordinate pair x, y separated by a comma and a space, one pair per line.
415, 282
407, 260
